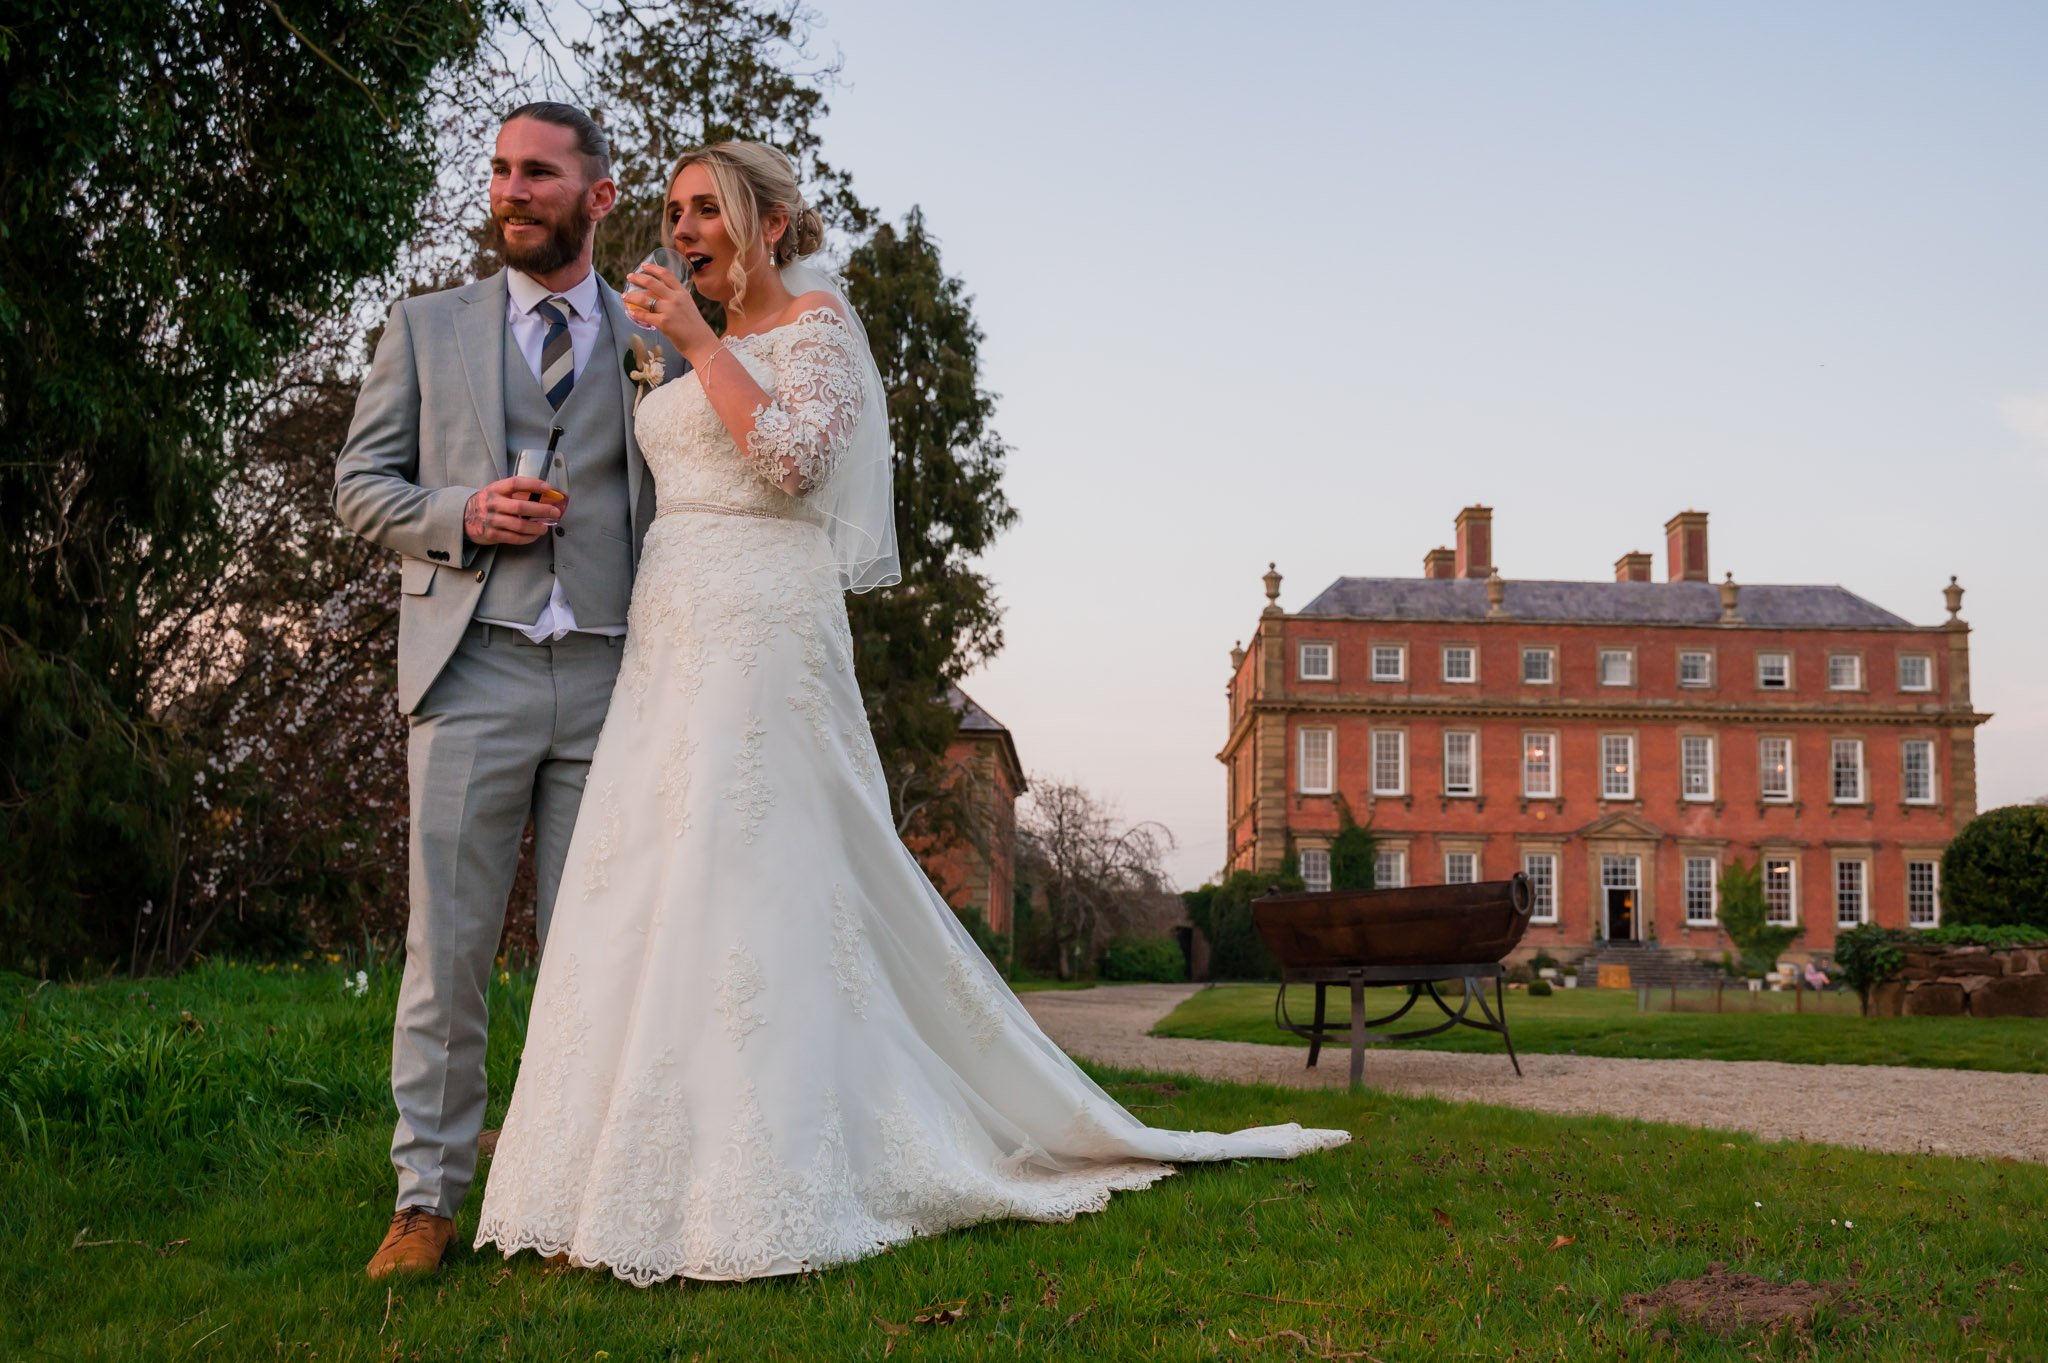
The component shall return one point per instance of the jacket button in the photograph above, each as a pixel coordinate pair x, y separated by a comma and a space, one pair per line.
479, 574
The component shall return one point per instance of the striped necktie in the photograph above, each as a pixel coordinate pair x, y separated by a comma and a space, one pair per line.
557, 353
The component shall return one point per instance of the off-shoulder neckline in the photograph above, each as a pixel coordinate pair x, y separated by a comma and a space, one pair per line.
807, 315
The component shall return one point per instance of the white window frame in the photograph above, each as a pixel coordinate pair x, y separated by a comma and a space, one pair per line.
1470, 862
1395, 858
1686, 744
1628, 657
1543, 887
1791, 909
1926, 661
1471, 652
1621, 784
1836, 748
1712, 887
1329, 655
1763, 767
1906, 748
1706, 677
1861, 891
1400, 737
1613, 862
1762, 676
1471, 784
1549, 740
1315, 868
1933, 891
1400, 672
1549, 656
1303, 738
1854, 672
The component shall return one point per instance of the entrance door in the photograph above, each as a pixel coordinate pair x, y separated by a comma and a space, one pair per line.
1621, 915
1621, 884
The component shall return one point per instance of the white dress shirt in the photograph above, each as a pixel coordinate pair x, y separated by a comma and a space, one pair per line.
529, 330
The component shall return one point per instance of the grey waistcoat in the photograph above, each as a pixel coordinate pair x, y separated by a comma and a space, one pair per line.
594, 555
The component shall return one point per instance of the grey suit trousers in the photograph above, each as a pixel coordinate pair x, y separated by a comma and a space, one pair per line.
505, 733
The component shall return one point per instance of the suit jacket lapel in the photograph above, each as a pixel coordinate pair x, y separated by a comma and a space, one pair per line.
621, 329
480, 336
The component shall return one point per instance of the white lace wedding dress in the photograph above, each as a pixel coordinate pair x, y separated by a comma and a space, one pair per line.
761, 1042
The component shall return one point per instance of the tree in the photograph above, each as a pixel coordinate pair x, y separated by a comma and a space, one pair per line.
673, 74
1745, 918
1223, 913
1995, 872
911, 640
1098, 876
190, 187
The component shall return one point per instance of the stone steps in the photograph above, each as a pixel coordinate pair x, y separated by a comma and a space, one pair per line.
1648, 965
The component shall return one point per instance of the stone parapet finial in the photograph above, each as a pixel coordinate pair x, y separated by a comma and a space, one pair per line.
1496, 593
1237, 655
1954, 592
1730, 593
1272, 579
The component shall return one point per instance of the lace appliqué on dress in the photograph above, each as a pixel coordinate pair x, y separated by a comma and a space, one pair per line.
738, 985
974, 999
597, 871
675, 785
850, 966
750, 791
818, 395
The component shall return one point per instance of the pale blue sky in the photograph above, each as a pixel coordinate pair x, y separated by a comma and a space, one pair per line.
1296, 282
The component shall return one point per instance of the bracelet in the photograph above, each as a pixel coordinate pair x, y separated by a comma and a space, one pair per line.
705, 368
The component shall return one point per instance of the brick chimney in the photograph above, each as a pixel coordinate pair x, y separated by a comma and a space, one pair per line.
1475, 542
1633, 566
1685, 543
1440, 563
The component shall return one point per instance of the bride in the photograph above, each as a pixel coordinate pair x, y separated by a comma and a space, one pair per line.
761, 1042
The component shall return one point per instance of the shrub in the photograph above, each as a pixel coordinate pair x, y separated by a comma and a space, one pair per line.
1354, 854
1540, 989
1868, 956
1223, 914
1743, 919
1977, 935
1996, 871
1542, 960
1152, 959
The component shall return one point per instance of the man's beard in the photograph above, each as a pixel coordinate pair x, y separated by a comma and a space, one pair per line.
563, 243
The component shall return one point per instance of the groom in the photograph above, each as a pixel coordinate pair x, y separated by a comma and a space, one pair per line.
512, 611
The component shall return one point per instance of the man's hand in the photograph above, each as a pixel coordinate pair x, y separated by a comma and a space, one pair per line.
505, 512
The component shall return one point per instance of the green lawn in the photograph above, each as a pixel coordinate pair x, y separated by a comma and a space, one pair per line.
1605, 1022
196, 1169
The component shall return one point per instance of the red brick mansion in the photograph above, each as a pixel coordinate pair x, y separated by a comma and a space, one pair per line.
1619, 742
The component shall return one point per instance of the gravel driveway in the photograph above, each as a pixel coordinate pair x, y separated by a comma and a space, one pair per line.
1876, 1107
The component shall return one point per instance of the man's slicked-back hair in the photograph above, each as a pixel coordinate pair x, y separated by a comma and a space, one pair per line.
590, 139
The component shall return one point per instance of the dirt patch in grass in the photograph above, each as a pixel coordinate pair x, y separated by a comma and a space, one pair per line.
1728, 1303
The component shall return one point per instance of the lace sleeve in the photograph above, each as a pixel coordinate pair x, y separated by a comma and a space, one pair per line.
816, 404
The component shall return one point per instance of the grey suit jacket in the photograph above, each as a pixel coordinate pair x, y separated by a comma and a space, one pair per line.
429, 430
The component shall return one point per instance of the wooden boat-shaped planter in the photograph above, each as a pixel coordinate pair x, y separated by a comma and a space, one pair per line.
1415, 936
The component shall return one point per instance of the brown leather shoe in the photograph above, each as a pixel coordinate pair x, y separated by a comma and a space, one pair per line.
414, 1244
487, 1143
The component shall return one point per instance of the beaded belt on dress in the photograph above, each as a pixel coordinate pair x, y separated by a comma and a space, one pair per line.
714, 508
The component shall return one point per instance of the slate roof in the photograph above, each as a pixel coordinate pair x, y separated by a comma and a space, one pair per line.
1600, 603
973, 718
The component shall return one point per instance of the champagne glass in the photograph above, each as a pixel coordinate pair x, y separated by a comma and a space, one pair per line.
667, 259
550, 466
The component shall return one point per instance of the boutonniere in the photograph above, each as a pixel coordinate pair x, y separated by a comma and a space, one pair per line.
645, 366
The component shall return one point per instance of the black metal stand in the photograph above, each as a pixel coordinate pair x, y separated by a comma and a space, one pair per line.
1420, 979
